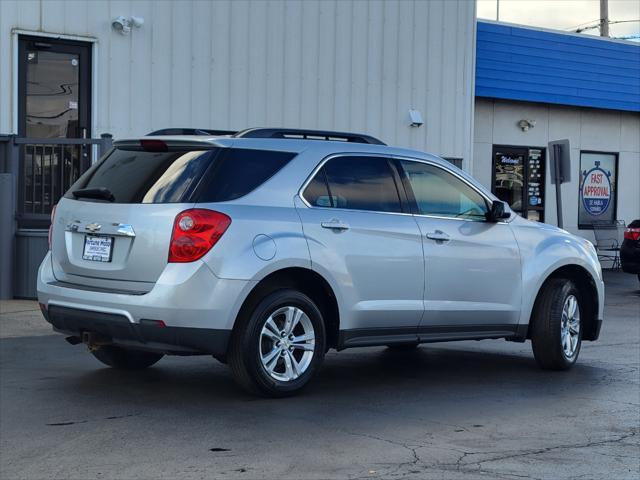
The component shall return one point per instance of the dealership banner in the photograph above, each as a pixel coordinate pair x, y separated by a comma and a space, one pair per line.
597, 188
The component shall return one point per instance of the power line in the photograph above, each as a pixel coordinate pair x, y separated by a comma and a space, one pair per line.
610, 22
625, 21
581, 24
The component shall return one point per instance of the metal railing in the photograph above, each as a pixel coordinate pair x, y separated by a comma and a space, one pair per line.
34, 174
44, 169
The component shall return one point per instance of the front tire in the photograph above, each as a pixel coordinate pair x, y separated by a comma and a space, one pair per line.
556, 334
124, 359
279, 346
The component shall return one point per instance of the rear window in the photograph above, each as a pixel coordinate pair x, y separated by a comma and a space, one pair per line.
180, 176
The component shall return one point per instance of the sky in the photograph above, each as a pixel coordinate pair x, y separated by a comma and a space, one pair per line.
564, 14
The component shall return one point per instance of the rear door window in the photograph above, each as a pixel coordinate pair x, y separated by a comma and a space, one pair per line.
317, 191
355, 183
180, 176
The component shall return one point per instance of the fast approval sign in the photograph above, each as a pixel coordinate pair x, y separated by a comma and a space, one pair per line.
596, 190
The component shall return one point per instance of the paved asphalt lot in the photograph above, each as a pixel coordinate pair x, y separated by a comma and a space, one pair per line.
458, 410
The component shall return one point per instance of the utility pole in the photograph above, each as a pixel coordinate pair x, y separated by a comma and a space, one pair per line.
497, 10
604, 18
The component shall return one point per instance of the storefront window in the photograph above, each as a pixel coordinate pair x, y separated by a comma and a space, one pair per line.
597, 196
518, 179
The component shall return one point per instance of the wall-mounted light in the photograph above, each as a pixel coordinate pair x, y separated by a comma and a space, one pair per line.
123, 25
415, 118
525, 124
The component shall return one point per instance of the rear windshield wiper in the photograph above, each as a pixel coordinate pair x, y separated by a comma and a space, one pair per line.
101, 193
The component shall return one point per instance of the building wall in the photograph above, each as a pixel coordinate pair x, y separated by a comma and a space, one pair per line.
586, 128
230, 65
533, 64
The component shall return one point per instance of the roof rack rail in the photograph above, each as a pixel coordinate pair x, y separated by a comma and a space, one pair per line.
300, 134
190, 131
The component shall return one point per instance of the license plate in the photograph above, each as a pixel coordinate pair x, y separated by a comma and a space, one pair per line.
97, 249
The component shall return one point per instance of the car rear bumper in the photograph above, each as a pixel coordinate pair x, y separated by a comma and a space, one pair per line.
630, 258
197, 308
112, 329
631, 267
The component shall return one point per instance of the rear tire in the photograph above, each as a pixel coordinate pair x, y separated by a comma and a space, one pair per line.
556, 330
271, 357
124, 359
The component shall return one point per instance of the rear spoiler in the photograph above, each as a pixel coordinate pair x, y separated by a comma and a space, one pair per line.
190, 131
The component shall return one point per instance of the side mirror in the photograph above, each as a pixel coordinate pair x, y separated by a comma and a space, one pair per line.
498, 212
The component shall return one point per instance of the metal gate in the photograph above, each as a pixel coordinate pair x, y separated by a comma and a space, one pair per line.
34, 174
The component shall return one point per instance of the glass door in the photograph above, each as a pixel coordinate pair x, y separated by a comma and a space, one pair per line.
54, 103
54, 88
519, 179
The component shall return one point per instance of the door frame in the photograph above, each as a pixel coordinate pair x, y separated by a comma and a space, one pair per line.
93, 72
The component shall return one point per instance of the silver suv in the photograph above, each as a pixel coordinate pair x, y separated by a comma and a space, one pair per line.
268, 247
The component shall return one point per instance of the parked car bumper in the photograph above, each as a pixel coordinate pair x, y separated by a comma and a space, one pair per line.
190, 312
630, 258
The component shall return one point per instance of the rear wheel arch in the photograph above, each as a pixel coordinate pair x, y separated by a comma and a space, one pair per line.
586, 285
307, 281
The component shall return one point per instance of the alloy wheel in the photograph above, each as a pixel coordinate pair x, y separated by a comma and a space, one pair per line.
570, 326
287, 343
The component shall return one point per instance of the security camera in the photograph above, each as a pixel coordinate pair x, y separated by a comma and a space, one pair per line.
525, 124
137, 21
121, 25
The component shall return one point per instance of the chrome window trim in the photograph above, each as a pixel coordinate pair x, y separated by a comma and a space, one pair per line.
317, 168
442, 167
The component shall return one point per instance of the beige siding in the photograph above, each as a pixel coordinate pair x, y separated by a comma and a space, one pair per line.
585, 128
316, 64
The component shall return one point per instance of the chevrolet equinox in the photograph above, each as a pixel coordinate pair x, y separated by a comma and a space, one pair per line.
267, 247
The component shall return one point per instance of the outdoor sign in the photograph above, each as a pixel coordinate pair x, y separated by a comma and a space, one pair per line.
563, 158
597, 188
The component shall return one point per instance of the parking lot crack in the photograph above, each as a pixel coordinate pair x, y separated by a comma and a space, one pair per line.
620, 439
411, 448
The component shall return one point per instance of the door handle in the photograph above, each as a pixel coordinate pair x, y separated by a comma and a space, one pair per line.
335, 224
438, 236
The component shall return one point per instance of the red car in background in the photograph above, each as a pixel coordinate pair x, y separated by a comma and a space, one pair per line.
630, 249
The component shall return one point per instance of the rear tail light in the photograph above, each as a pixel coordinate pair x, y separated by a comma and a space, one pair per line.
195, 231
632, 234
53, 216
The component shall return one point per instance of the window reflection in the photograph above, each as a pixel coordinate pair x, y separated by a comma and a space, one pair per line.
438, 192
362, 183
52, 94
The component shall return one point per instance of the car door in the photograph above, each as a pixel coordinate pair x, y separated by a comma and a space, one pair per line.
366, 243
472, 266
